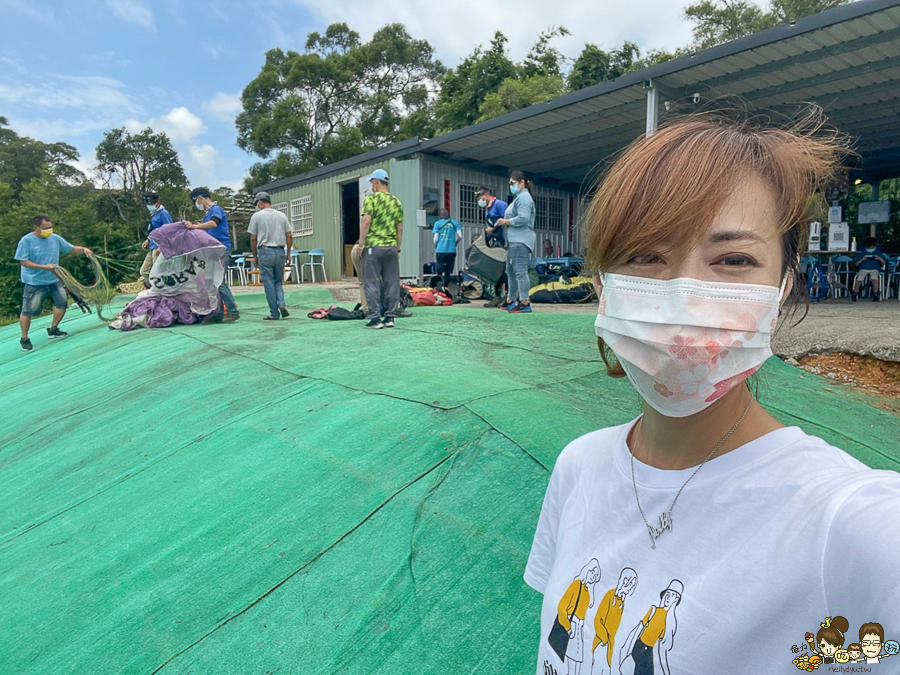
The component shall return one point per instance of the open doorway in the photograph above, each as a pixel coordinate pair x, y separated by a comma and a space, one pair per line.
349, 222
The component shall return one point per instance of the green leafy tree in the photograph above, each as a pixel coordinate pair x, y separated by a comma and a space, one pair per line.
516, 94
465, 87
130, 165
595, 65
785, 11
23, 159
543, 58
718, 21
340, 97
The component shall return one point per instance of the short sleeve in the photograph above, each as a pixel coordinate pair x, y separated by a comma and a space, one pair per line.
23, 250
862, 555
64, 246
253, 227
543, 548
369, 206
286, 224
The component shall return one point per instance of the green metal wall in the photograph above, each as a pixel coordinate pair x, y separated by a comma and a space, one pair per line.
326, 209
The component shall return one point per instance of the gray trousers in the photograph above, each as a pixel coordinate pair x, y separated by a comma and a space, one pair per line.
517, 270
381, 277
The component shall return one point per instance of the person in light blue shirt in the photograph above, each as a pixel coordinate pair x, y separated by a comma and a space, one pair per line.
215, 220
38, 254
159, 216
446, 233
518, 223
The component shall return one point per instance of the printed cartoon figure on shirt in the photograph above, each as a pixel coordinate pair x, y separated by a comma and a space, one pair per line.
830, 638
651, 640
871, 639
607, 619
567, 635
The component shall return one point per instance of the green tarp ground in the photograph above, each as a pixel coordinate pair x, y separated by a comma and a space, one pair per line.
306, 496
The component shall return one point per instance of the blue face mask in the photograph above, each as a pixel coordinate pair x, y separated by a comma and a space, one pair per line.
513, 189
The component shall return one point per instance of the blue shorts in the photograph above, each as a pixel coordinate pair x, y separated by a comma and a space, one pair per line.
33, 297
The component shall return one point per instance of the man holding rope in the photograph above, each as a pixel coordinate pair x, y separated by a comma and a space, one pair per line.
38, 254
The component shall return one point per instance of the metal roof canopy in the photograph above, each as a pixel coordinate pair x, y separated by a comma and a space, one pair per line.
846, 59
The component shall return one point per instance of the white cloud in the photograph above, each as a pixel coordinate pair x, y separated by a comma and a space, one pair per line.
179, 124
104, 96
42, 15
204, 165
133, 11
203, 156
649, 23
224, 106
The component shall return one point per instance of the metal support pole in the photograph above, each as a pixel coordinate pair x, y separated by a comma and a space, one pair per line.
652, 107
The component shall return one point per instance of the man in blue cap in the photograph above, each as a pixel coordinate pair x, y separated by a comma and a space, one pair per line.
216, 222
380, 236
159, 216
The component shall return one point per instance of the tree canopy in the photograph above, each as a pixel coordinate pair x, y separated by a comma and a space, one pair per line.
340, 97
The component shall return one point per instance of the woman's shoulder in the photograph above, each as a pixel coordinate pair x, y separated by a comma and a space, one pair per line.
591, 448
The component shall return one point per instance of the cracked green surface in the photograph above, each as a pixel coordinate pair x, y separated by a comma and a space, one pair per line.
306, 496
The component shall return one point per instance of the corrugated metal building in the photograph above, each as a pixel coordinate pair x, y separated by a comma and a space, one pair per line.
847, 60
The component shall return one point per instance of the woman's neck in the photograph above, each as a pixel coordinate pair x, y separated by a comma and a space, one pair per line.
675, 443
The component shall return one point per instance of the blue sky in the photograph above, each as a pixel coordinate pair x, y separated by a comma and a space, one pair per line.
72, 69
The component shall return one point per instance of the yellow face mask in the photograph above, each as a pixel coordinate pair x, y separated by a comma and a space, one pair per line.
46, 233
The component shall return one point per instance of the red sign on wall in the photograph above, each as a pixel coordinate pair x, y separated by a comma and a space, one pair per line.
447, 194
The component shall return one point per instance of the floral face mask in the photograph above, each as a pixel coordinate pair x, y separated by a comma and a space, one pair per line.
685, 343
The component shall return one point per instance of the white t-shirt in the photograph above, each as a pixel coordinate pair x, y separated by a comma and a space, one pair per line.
767, 541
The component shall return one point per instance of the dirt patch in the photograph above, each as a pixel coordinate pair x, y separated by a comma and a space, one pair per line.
866, 372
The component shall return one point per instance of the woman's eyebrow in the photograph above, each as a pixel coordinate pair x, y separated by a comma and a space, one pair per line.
734, 235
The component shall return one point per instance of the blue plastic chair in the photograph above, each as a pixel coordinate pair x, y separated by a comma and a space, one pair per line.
316, 259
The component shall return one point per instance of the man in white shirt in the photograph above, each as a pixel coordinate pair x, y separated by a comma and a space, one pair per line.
271, 240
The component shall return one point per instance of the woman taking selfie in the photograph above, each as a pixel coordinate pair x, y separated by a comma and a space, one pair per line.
756, 531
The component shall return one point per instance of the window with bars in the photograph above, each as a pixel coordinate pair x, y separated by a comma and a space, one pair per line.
469, 211
540, 213
549, 214
555, 214
301, 216
283, 207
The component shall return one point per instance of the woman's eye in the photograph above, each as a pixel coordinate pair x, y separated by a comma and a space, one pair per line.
737, 261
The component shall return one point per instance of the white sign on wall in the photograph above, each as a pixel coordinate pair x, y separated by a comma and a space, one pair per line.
834, 214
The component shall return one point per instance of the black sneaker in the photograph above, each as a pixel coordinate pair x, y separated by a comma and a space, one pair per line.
284, 312
853, 297
388, 322
26, 345
375, 323
231, 318
55, 332
403, 313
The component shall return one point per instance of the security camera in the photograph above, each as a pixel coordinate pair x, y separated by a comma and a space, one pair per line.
696, 97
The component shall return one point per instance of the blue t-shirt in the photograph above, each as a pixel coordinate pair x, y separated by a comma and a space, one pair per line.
220, 231
446, 230
43, 252
157, 220
870, 263
494, 211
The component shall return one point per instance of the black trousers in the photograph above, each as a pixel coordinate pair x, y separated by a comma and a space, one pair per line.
445, 263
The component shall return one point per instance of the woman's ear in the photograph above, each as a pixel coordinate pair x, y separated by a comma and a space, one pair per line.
788, 287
